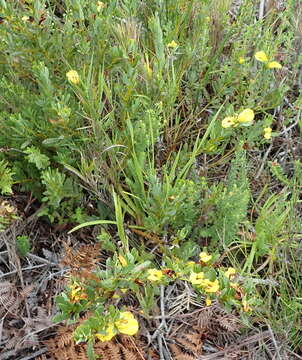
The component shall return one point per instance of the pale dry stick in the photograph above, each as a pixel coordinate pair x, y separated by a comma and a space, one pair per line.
162, 306
294, 354
169, 293
250, 340
289, 147
20, 273
176, 308
8, 355
157, 331
3, 261
262, 266
178, 317
176, 330
259, 172
189, 297
167, 351
14, 259
290, 104
59, 273
24, 269
42, 260
270, 285
287, 129
266, 346
171, 326
163, 321
258, 281
184, 300
36, 354
261, 9
172, 288
1, 329
160, 346
137, 349
40, 330
274, 342
227, 251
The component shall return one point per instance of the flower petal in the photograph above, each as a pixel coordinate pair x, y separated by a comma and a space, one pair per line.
73, 77
154, 274
204, 257
246, 116
210, 286
230, 272
127, 324
274, 65
110, 333
267, 133
196, 278
228, 122
208, 301
261, 56
173, 44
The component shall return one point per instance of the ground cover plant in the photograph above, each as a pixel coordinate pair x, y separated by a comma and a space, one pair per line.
150, 172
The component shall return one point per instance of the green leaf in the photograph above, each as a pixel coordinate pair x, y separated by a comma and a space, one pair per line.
90, 351
36, 157
91, 223
58, 187
53, 141
23, 245
6, 178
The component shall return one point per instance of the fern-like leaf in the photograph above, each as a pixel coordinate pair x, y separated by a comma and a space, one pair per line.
58, 187
35, 156
6, 178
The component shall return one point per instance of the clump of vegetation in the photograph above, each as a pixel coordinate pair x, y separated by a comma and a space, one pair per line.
23, 245
8, 213
178, 122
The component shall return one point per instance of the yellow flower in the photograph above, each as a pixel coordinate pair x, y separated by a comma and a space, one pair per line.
100, 6
6, 209
241, 60
261, 56
154, 274
190, 263
73, 77
122, 260
204, 257
148, 70
228, 122
77, 293
246, 116
234, 285
110, 333
230, 272
127, 324
267, 133
25, 18
246, 306
210, 286
208, 301
74, 292
274, 65
196, 278
172, 44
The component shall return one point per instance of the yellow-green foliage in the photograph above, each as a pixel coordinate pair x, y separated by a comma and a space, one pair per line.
177, 122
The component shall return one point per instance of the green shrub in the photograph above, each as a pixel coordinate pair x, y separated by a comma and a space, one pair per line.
23, 245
